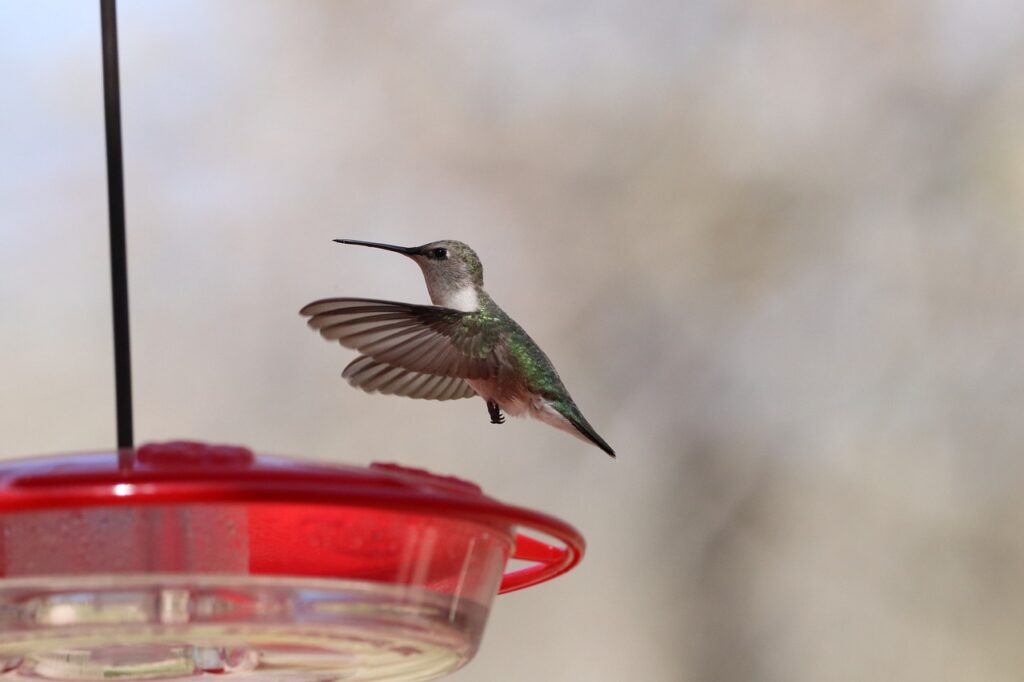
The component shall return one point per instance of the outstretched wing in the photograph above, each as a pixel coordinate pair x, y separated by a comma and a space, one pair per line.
379, 377
418, 338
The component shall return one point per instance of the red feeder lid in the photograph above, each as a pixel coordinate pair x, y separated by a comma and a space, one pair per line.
191, 472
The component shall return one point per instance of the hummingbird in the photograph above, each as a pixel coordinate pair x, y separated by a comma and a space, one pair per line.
462, 346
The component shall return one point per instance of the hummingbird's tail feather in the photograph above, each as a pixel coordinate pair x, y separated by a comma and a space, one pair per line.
582, 426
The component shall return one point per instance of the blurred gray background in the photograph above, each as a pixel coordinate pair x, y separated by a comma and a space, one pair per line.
775, 249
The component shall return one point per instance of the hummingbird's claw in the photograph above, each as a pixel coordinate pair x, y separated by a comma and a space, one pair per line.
495, 411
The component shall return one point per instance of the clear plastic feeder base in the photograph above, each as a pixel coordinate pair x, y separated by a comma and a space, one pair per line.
185, 560
299, 630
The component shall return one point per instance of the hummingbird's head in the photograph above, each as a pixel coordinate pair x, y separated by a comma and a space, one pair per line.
450, 260
451, 269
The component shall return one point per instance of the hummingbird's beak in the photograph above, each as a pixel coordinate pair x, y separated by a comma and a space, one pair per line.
407, 250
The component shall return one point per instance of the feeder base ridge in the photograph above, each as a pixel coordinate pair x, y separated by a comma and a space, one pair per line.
281, 629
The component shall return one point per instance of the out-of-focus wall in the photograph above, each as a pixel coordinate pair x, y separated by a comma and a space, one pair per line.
775, 249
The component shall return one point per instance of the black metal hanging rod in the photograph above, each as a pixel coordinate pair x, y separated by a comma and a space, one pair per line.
115, 200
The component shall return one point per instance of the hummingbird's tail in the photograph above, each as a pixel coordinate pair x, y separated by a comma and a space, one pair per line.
582, 426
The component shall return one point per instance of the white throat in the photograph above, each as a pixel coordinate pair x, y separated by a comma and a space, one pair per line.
463, 299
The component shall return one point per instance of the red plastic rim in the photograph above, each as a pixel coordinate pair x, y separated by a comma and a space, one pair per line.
188, 472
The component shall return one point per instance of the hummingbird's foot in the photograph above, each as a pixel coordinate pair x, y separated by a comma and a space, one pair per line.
496, 416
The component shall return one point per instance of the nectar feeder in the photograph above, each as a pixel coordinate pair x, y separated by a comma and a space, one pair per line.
182, 560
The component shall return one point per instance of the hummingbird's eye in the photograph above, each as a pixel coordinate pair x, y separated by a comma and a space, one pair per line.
439, 254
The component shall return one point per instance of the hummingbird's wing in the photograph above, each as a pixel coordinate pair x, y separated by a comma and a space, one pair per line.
379, 377
419, 338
